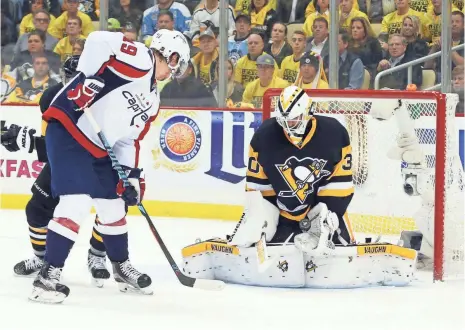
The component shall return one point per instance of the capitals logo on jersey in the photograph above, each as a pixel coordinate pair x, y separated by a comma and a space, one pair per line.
301, 175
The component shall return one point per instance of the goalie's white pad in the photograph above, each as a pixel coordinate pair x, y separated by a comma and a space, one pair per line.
260, 216
407, 149
383, 109
349, 266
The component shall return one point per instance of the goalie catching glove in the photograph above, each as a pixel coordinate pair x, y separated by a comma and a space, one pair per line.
318, 230
18, 137
133, 193
85, 92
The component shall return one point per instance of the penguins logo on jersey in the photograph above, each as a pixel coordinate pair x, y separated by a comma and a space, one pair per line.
301, 175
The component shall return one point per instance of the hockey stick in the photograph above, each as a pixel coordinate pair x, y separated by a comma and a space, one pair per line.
263, 258
214, 285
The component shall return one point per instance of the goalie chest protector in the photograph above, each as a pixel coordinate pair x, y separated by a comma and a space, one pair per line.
300, 176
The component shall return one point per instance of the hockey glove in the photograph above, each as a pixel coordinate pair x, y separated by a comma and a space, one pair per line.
134, 192
84, 93
318, 229
17, 138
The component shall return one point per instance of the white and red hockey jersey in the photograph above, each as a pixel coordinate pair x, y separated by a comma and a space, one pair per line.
124, 108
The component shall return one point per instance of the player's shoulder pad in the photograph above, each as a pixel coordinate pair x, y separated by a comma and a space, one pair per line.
140, 60
333, 127
268, 129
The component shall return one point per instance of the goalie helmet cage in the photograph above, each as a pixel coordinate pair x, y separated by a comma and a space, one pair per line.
380, 206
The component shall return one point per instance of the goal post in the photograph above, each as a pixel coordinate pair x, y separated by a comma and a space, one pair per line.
380, 206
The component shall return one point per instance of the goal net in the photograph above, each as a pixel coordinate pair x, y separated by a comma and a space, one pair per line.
381, 206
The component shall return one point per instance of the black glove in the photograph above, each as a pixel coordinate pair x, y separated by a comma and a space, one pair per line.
134, 193
17, 138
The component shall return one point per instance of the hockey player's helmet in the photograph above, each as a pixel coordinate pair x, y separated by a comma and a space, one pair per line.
70, 66
173, 46
293, 111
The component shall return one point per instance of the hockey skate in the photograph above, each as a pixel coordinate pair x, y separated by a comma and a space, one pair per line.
46, 286
97, 268
130, 279
28, 267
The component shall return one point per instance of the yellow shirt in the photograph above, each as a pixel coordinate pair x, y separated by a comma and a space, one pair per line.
392, 23
353, 13
422, 6
27, 24
204, 68
307, 28
258, 19
58, 28
459, 5
246, 70
433, 25
254, 91
244, 6
321, 85
311, 8
239, 105
289, 69
64, 47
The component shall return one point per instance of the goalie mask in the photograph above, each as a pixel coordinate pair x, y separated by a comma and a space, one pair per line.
293, 112
173, 47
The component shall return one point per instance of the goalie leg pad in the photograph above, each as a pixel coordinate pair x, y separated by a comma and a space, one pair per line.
260, 216
349, 266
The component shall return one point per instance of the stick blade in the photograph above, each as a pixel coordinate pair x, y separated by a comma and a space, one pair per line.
210, 285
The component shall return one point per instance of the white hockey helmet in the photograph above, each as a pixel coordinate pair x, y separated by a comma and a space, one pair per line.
172, 45
293, 111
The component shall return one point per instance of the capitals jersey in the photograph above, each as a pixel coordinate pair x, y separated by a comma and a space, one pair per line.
125, 106
296, 178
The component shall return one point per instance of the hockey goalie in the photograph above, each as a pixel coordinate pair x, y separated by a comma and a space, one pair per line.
295, 231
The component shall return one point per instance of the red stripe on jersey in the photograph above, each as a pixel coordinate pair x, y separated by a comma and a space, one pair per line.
75, 132
141, 136
118, 223
104, 66
67, 223
123, 68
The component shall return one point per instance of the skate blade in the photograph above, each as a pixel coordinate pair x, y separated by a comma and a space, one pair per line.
98, 282
126, 288
46, 297
26, 276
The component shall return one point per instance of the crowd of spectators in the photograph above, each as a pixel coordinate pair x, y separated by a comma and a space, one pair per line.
271, 44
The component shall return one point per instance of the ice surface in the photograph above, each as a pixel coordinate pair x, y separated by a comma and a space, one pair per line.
423, 305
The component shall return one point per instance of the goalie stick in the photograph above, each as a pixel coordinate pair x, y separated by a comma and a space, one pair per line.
214, 285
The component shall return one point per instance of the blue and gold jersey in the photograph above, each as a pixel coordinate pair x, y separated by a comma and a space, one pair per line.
295, 178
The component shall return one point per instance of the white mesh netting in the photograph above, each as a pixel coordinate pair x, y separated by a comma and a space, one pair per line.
380, 206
